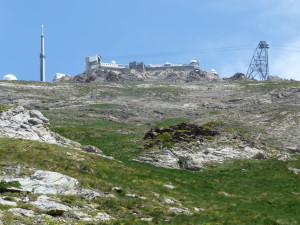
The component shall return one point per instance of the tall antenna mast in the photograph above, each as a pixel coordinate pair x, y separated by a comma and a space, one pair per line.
42, 57
259, 64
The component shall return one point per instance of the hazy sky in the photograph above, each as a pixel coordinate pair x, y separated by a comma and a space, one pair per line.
222, 35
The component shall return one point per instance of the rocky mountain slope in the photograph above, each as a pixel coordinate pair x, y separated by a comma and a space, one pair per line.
232, 146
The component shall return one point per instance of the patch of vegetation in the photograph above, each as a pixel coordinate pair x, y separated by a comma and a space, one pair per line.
4, 108
164, 137
212, 124
4, 185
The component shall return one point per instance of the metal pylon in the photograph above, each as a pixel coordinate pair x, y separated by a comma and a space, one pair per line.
259, 64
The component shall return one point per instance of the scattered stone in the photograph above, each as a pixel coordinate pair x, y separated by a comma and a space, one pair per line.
293, 149
296, 171
47, 182
189, 163
225, 194
103, 217
260, 156
136, 196
117, 189
22, 212
5, 202
92, 149
147, 219
179, 211
171, 201
52, 207
199, 209
169, 186
90, 194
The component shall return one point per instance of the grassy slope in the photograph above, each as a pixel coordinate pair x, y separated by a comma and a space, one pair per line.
266, 193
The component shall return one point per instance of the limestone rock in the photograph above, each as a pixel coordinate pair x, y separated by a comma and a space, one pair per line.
296, 171
179, 211
46, 182
22, 212
20, 123
52, 207
6, 202
189, 163
117, 189
169, 186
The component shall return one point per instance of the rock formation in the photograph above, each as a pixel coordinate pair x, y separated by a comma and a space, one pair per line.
98, 75
190, 147
32, 125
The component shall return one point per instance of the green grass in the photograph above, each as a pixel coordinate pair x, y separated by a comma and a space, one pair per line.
264, 194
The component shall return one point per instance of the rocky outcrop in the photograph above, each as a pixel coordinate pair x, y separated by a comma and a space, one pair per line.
237, 76
274, 78
173, 75
52, 207
47, 182
32, 125
190, 147
20, 123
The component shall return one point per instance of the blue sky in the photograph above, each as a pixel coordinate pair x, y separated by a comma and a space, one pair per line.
222, 35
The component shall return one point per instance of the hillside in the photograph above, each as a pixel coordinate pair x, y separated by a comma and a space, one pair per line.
115, 117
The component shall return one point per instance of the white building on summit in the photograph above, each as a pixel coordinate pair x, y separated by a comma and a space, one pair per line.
93, 62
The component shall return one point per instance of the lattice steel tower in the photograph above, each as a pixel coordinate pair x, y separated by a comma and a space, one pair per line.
259, 64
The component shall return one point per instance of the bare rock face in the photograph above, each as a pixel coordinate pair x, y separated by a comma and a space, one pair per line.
46, 182
53, 208
237, 76
190, 147
173, 75
20, 123
189, 163
32, 125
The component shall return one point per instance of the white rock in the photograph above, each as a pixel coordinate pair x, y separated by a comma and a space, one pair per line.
20, 123
90, 194
103, 217
52, 207
22, 212
136, 196
296, 171
5, 202
147, 219
199, 209
46, 182
171, 201
179, 211
169, 186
